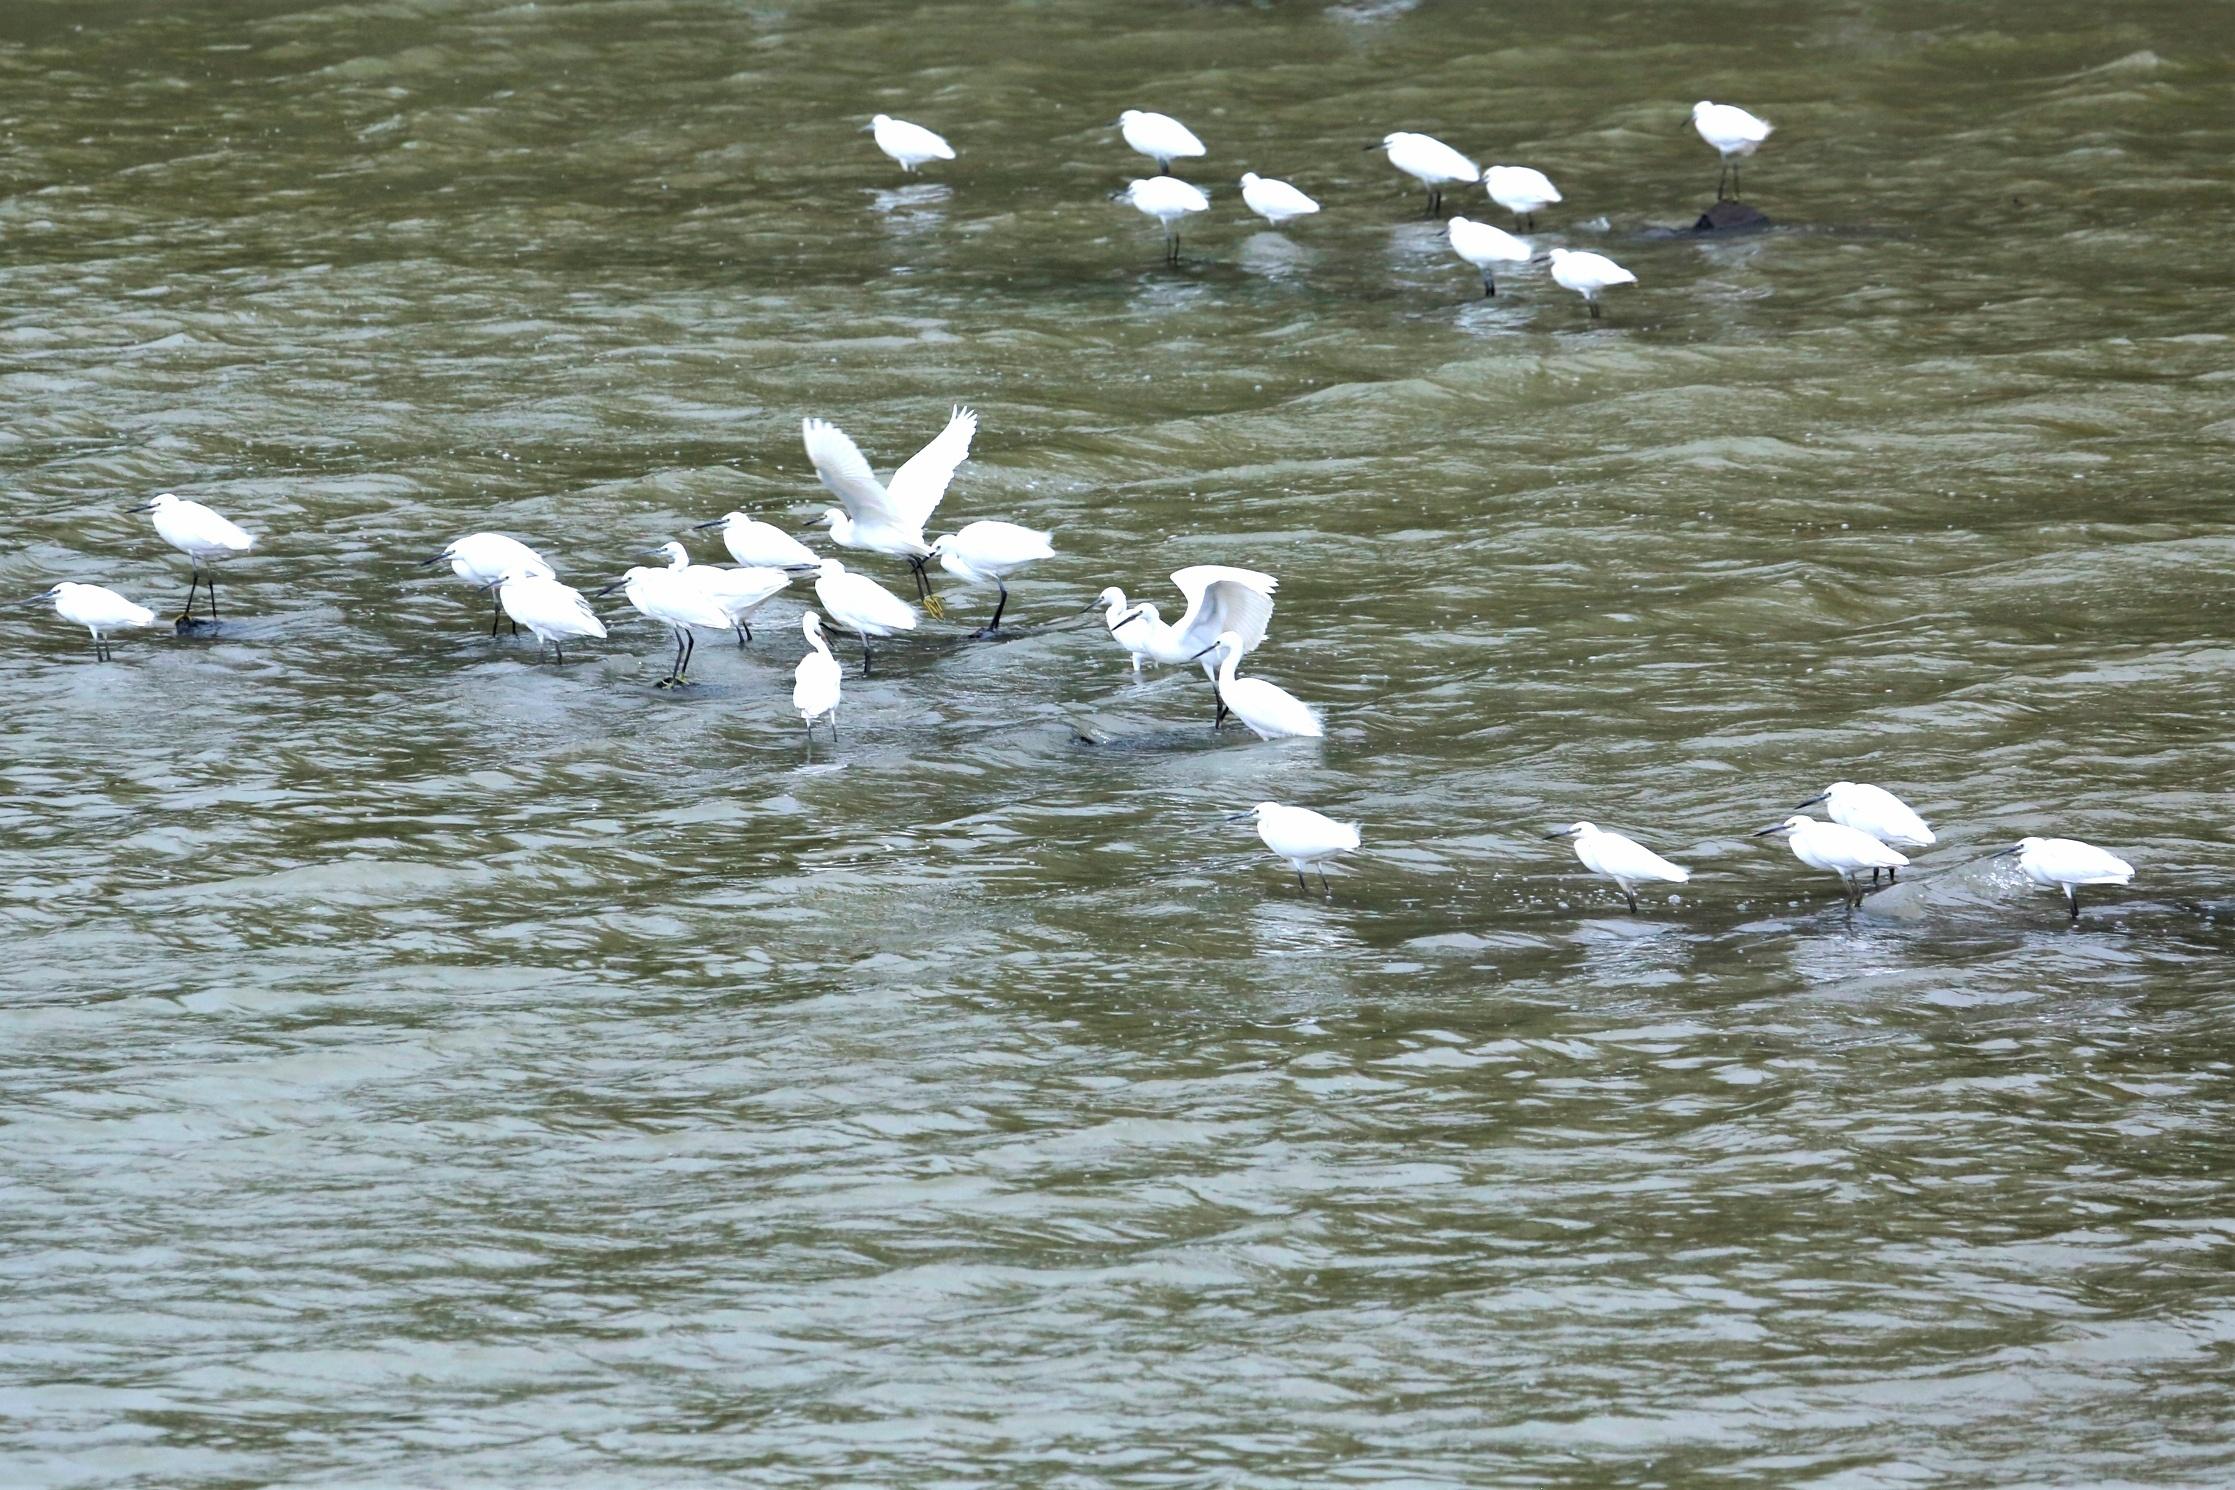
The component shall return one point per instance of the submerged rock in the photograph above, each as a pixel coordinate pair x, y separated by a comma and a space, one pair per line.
1731, 217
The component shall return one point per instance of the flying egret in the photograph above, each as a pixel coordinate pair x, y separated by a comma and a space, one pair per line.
669, 597
1271, 712
1275, 201
861, 605
1587, 274
1521, 190
99, 609
1219, 599
481, 559
883, 519
1621, 859
1430, 162
2067, 864
982, 551
815, 682
739, 592
1167, 199
1485, 247
1844, 851
759, 545
1160, 137
1306, 839
1876, 811
1734, 133
556, 613
200, 534
909, 144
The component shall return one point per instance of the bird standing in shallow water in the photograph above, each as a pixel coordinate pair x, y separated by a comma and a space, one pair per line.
1876, 811
738, 592
202, 535
909, 144
983, 551
1521, 190
2067, 864
862, 606
1275, 201
1484, 247
1621, 859
1306, 839
1430, 162
1587, 274
1270, 711
481, 559
1844, 851
99, 609
816, 681
669, 597
1734, 133
1220, 598
1167, 199
556, 613
1160, 137
759, 545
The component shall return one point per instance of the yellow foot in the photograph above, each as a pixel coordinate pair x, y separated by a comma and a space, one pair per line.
935, 608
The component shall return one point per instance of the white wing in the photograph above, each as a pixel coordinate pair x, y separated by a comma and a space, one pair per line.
839, 466
1222, 598
918, 485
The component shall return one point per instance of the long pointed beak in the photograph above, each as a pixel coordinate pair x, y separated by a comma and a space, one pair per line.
1211, 648
423, 563
1561, 834
1772, 828
803, 568
2006, 853
719, 522
143, 507
1812, 801
1239, 817
491, 585
1128, 618
1370, 149
616, 585
33, 599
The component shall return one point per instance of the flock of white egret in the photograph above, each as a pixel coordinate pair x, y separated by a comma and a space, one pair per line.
1228, 610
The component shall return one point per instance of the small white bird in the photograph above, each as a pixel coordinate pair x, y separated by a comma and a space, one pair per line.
1119, 620
1220, 599
1876, 811
1485, 247
1306, 839
1733, 132
556, 613
2067, 864
884, 519
1275, 201
739, 592
909, 144
1430, 162
1621, 859
199, 533
861, 605
99, 609
1167, 199
1523, 191
1270, 711
1160, 137
816, 681
481, 559
982, 551
1587, 274
669, 597
1844, 851
759, 545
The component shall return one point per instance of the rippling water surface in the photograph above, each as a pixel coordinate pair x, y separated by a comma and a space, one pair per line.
424, 1066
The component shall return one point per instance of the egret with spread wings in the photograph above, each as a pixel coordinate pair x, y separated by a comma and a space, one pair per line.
1220, 599
888, 519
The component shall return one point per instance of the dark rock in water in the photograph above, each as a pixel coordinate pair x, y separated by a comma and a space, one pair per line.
1730, 217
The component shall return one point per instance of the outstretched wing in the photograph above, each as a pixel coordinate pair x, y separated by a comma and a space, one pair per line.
1223, 598
918, 485
839, 465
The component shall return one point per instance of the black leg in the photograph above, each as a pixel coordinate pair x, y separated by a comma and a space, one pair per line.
193, 583
560, 653
1738, 184
690, 650
993, 627
1631, 896
496, 613
1488, 289
1324, 887
2073, 893
1594, 310
1301, 887
1532, 227
209, 583
1892, 874
865, 654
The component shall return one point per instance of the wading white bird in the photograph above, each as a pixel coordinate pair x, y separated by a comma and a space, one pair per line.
200, 534
481, 559
1523, 191
99, 609
816, 681
1587, 274
1486, 247
739, 592
1119, 620
982, 551
1621, 859
909, 144
1167, 199
1220, 599
1306, 839
1733, 132
1844, 851
669, 597
1270, 711
759, 545
1876, 811
1160, 137
2067, 864
1430, 162
884, 519
861, 605
556, 613
1275, 201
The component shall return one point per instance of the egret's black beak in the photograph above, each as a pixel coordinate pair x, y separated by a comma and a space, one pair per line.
490, 586
1129, 617
423, 563
1370, 149
1211, 648
2006, 853
1819, 797
143, 507
1240, 817
1765, 832
616, 585
33, 599
1562, 833
719, 522
803, 568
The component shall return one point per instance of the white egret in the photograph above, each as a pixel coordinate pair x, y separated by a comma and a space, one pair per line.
669, 597
861, 605
1167, 199
1621, 859
1306, 839
2067, 864
739, 592
759, 545
909, 144
1587, 274
481, 559
982, 551
1733, 132
556, 613
1876, 811
1128, 626
1844, 851
1160, 137
1220, 599
1275, 201
199, 533
1430, 162
884, 519
1486, 247
816, 681
1523, 191
99, 609
1270, 711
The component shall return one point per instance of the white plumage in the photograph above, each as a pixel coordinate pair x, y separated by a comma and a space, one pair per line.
737, 592
1270, 711
1873, 810
817, 679
1306, 839
1160, 137
861, 605
481, 559
2066, 864
1275, 201
1220, 599
983, 552
759, 545
1523, 191
880, 518
1836, 847
200, 533
1587, 274
1621, 859
1733, 132
99, 609
556, 613
1486, 247
1430, 162
909, 144
672, 598
1167, 199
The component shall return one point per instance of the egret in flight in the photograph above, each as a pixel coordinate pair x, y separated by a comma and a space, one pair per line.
202, 535
1621, 859
888, 519
99, 609
1306, 839
481, 559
